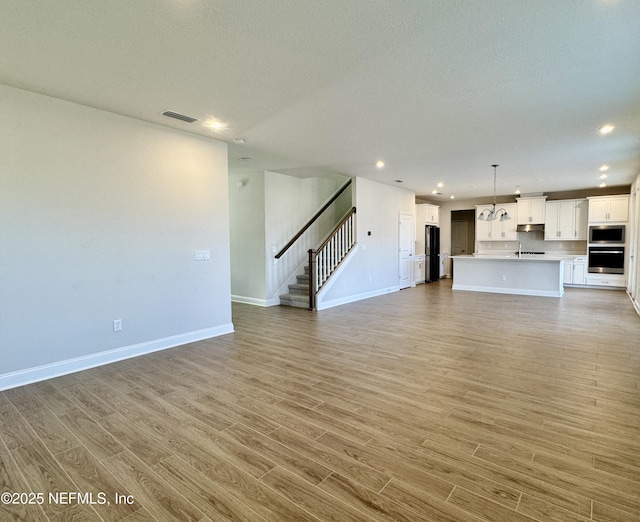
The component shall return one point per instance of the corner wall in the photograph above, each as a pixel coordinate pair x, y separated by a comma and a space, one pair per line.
101, 215
247, 226
267, 210
289, 204
634, 245
373, 269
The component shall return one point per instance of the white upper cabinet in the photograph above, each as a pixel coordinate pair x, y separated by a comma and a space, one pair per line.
582, 219
427, 214
531, 211
483, 227
496, 230
508, 228
566, 220
604, 209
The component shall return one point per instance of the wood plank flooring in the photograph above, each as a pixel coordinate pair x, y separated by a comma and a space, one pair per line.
425, 404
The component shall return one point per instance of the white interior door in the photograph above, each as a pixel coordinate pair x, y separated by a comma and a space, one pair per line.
459, 234
405, 249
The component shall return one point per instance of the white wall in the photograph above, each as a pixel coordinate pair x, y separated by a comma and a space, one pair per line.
445, 224
100, 218
373, 269
634, 244
248, 252
289, 204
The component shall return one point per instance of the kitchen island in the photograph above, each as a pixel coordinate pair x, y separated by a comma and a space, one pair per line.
541, 276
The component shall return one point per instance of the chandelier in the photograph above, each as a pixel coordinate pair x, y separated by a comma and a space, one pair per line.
493, 214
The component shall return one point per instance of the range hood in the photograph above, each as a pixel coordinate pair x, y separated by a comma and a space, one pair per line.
530, 228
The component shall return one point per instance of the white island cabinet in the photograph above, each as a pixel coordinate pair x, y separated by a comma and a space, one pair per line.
509, 275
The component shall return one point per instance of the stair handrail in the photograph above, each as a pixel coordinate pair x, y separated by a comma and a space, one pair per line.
348, 243
313, 219
350, 213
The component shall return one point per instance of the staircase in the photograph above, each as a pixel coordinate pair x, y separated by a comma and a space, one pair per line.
324, 259
323, 262
298, 295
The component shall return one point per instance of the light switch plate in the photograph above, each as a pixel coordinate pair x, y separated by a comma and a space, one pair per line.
202, 255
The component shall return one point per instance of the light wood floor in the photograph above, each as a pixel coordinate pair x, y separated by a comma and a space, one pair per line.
424, 404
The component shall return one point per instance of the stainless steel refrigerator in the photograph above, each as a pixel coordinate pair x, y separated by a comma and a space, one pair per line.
432, 253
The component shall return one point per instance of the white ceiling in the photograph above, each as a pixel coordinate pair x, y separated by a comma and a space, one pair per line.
438, 89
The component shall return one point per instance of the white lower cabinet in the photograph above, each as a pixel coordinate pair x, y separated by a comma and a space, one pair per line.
580, 271
568, 272
575, 271
609, 280
418, 270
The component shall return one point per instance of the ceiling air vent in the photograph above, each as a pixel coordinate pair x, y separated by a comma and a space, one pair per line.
178, 116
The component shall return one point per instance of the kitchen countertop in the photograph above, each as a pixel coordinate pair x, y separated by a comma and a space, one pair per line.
564, 257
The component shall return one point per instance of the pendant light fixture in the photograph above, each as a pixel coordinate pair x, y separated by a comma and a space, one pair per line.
494, 214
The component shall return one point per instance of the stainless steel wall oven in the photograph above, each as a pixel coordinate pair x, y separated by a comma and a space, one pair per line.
606, 259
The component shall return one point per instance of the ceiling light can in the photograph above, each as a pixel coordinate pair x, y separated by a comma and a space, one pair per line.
607, 129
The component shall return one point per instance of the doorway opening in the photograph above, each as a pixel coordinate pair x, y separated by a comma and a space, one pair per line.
463, 232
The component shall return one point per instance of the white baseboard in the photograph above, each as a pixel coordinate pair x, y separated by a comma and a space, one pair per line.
635, 303
511, 291
358, 297
57, 369
255, 301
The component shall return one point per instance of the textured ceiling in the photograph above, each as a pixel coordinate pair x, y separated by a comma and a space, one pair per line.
438, 89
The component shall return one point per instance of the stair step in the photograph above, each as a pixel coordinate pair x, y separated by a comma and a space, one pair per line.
299, 289
295, 300
298, 295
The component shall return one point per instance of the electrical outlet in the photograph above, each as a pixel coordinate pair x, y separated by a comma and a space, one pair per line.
117, 325
504, 277
202, 255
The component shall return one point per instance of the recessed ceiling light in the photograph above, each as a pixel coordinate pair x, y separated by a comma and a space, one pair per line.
239, 141
245, 158
606, 129
434, 191
604, 168
215, 125
440, 184
602, 185
603, 176
398, 181
379, 164
517, 191
452, 196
